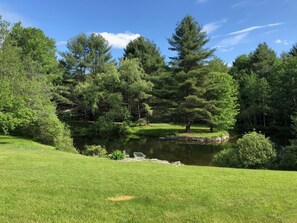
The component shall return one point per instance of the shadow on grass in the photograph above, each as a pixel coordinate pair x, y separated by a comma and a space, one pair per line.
2, 143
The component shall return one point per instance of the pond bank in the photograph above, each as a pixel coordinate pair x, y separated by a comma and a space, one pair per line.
197, 140
153, 160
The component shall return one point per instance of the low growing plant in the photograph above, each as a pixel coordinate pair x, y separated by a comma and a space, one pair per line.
94, 150
117, 155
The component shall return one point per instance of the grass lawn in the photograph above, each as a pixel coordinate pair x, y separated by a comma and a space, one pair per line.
162, 129
40, 184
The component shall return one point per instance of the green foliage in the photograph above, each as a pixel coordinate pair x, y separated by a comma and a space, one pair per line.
27, 56
254, 74
94, 150
141, 122
294, 124
48, 129
217, 65
135, 87
253, 150
117, 155
284, 89
226, 158
188, 41
262, 60
255, 96
35, 46
293, 50
202, 96
86, 55
223, 93
289, 159
147, 53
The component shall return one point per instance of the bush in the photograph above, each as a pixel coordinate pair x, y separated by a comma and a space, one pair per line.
125, 129
253, 150
117, 155
48, 129
226, 157
289, 160
141, 122
94, 150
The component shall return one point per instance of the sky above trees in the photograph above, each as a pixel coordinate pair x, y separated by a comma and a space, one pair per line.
235, 27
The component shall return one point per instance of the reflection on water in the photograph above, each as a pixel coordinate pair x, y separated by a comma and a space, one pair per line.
191, 154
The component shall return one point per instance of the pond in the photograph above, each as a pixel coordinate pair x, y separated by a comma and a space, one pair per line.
190, 154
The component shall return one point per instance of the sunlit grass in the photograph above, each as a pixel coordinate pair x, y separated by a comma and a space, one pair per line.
164, 129
41, 184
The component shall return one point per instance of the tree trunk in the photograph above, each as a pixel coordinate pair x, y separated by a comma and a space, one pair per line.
188, 127
211, 128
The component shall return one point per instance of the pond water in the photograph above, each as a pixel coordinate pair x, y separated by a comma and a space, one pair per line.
190, 154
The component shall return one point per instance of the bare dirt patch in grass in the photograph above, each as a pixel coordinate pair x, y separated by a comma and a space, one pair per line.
121, 198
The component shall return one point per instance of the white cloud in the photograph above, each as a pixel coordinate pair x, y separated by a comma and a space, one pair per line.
119, 40
239, 4
61, 43
284, 42
255, 28
251, 3
227, 44
211, 27
13, 17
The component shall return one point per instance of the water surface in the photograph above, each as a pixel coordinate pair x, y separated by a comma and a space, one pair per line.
190, 154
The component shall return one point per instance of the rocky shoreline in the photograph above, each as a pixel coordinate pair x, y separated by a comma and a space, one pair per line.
197, 140
153, 160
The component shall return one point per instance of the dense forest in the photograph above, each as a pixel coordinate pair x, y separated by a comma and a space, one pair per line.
41, 91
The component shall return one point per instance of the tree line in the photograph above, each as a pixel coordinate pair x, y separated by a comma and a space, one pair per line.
85, 84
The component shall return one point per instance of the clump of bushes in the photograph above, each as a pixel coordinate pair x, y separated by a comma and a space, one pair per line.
117, 155
48, 129
289, 160
253, 150
94, 150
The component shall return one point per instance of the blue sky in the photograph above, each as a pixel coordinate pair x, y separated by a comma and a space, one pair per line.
234, 27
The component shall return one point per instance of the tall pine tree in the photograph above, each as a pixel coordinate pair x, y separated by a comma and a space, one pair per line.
190, 71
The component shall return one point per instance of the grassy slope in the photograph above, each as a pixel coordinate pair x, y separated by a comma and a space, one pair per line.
161, 129
40, 184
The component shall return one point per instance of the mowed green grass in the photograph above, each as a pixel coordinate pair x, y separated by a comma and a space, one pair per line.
40, 184
164, 129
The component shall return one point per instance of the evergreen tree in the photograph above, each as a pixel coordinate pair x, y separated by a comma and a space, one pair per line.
147, 53
293, 50
262, 60
86, 55
189, 71
188, 42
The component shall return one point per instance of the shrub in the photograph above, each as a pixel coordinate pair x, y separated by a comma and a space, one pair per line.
289, 160
141, 122
253, 150
48, 129
117, 155
94, 150
125, 129
226, 157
